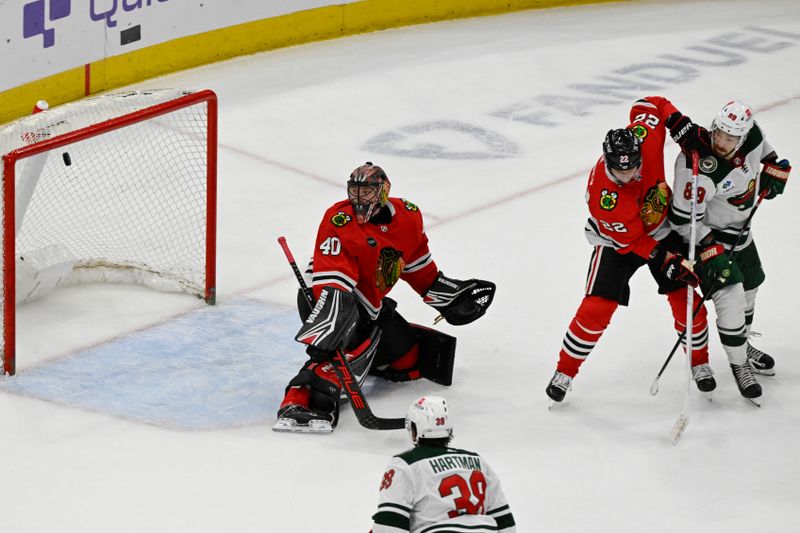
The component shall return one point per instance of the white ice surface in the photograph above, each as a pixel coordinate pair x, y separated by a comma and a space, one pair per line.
293, 124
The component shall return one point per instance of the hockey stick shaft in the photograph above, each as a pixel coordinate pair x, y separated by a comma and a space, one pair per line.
683, 419
342, 368
706, 296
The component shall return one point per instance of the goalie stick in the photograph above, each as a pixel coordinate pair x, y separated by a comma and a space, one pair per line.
342, 368
731, 255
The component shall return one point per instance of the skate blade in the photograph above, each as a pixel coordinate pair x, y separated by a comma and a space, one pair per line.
708, 395
553, 405
754, 402
289, 425
763, 372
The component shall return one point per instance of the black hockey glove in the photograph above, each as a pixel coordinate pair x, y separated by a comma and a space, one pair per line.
774, 177
330, 324
688, 135
674, 265
460, 302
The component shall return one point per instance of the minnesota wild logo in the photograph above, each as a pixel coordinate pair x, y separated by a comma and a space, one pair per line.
639, 131
410, 206
745, 200
340, 219
390, 266
708, 164
608, 200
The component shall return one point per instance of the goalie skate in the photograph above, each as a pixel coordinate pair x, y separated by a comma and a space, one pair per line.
293, 418
290, 425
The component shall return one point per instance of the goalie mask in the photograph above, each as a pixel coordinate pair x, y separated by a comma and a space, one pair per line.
735, 119
429, 418
368, 191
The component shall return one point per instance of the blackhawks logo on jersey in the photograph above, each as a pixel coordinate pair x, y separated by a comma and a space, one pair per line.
745, 200
655, 205
639, 131
608, 200
409, 205
340, 219
390, 266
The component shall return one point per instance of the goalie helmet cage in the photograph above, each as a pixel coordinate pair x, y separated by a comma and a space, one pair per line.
123, 185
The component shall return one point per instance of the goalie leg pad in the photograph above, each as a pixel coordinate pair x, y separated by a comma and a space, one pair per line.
437, 353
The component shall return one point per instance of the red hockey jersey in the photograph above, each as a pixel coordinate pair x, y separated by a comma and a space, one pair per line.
632, 217
368, 259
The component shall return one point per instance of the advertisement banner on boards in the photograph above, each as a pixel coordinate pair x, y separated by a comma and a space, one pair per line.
39, 38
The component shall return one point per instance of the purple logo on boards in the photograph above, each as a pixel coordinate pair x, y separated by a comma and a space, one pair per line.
33, 18
36, 13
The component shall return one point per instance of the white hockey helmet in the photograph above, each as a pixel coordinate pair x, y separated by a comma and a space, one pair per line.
429, 418
735, 118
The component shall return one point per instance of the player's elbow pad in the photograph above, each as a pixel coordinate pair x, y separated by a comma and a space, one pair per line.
332, 321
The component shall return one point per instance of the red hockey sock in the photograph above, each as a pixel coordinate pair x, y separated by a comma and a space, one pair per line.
591, 319
677, 301
299, 395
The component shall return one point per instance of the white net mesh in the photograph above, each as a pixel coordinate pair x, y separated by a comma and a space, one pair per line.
128, 204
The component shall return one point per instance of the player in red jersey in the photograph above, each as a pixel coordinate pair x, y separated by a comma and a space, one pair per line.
364, 245
628, 197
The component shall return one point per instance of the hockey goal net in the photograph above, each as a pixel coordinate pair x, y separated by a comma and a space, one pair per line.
119, 187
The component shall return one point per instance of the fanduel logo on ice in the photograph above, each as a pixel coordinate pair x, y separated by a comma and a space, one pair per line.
33, 16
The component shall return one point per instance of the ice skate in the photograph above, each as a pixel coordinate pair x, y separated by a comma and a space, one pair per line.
704, 379
295, 418
746, 381
558, 386
760, 362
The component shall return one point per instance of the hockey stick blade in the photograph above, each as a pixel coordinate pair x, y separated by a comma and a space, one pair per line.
654, 387
679, 427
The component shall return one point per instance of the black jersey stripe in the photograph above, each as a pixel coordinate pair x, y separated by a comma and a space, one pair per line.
391, 519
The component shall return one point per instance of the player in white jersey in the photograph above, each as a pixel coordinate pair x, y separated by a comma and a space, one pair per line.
437, 489
730, 180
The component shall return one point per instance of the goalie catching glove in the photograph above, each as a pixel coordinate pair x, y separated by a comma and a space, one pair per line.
330, 324
460, 302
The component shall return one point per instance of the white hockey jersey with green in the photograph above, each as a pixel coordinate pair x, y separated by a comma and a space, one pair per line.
441, 490
726, 191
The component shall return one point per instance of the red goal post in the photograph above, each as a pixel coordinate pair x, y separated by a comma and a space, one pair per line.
116, 188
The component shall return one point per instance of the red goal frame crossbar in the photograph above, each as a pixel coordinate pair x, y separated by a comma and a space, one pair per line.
9, 162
